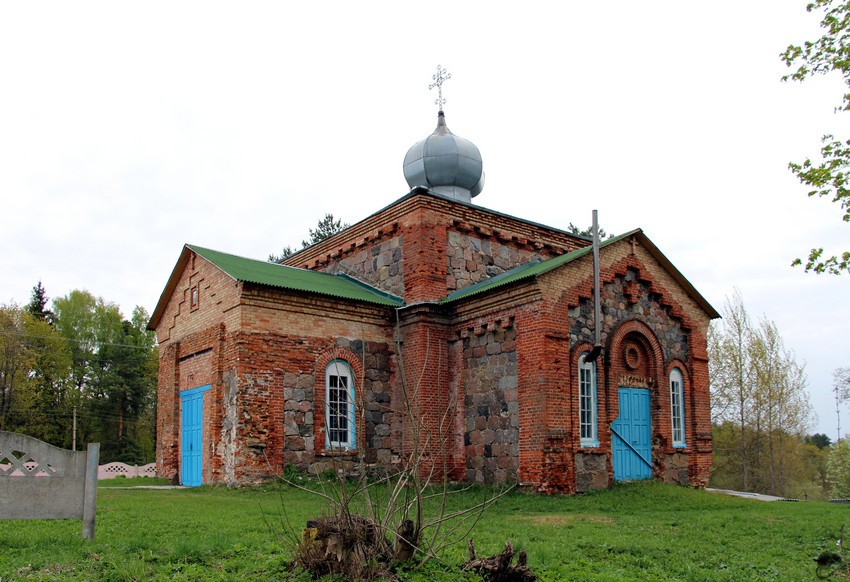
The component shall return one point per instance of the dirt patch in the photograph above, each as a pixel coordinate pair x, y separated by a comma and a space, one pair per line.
565, 519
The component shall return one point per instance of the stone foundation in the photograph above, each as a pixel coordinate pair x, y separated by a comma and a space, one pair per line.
591, 471
676, 469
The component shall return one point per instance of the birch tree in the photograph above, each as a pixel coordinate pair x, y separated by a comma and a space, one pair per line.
759, 395
731, 371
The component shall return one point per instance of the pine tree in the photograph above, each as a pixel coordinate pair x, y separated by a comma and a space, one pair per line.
325, 228
37, 304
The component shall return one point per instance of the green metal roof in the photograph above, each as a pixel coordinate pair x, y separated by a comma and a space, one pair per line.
285, 277
531, 269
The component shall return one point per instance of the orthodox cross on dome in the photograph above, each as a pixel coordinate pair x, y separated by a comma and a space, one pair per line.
441, 77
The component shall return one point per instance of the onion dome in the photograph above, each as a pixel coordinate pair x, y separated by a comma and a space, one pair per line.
445, 164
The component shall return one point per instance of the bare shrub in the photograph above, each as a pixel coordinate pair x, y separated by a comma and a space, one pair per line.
378, 516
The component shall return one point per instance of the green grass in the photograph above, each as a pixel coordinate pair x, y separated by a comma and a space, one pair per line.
647, 531
133, 482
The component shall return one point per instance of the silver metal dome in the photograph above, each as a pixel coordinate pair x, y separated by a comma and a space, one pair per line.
446, 164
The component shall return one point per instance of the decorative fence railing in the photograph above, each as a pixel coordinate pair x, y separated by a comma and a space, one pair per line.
107, 471
112, 470
40, 481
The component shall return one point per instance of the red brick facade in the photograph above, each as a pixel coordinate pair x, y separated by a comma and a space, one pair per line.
492, 377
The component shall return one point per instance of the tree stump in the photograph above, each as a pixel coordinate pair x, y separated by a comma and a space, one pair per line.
498, 568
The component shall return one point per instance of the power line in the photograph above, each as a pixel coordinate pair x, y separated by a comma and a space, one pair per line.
69, 339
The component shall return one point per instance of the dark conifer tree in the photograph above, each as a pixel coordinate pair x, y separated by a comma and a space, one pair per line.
38, 303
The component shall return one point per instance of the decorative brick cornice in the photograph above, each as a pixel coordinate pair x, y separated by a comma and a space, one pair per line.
389, 222
484, 326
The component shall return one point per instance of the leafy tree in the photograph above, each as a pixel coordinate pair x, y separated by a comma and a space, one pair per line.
731, 377
124, 389
15, 363
325, 228
87, 323
838, 469
829, 175
758, 388
841, 383
814, 465
94, 331
48, 414
33, 365
90, 367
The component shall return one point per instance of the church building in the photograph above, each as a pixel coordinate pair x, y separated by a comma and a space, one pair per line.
437, 325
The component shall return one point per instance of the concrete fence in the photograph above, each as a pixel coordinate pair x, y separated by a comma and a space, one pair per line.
107, 471
112, 470
40, 481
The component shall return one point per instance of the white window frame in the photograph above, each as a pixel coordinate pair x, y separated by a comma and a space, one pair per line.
677, 407
587, 422
339, 424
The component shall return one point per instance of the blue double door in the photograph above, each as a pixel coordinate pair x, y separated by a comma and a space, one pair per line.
192, 435
632, 436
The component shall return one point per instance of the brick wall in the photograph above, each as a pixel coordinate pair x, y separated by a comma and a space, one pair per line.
218, 301
196, 360
428, 431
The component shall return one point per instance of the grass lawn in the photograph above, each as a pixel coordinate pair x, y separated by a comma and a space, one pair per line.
646, 531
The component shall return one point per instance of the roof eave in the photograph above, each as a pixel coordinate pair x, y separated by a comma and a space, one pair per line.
170, 286
678, 276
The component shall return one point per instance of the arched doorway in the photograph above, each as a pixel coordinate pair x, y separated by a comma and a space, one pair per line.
635, 362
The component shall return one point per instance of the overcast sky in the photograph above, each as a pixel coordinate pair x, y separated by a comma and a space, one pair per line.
127, 130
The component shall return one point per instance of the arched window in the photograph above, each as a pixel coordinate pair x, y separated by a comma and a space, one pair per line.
339, 406
677, 406
587, 402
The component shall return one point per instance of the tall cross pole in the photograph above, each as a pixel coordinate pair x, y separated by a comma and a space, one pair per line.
441, 77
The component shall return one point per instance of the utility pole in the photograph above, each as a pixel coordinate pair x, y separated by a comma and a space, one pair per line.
597, 306
837, 391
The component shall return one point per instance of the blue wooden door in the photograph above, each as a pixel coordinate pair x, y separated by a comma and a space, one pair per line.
192, 428
631, 437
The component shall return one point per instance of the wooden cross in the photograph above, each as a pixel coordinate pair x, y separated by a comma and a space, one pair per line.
633, 242
441, 77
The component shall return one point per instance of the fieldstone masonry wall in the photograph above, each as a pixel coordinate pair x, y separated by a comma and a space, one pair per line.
591, 471
627, 298
676, 468
470, 259
381, 265
491, 407
374, 398
298, 419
